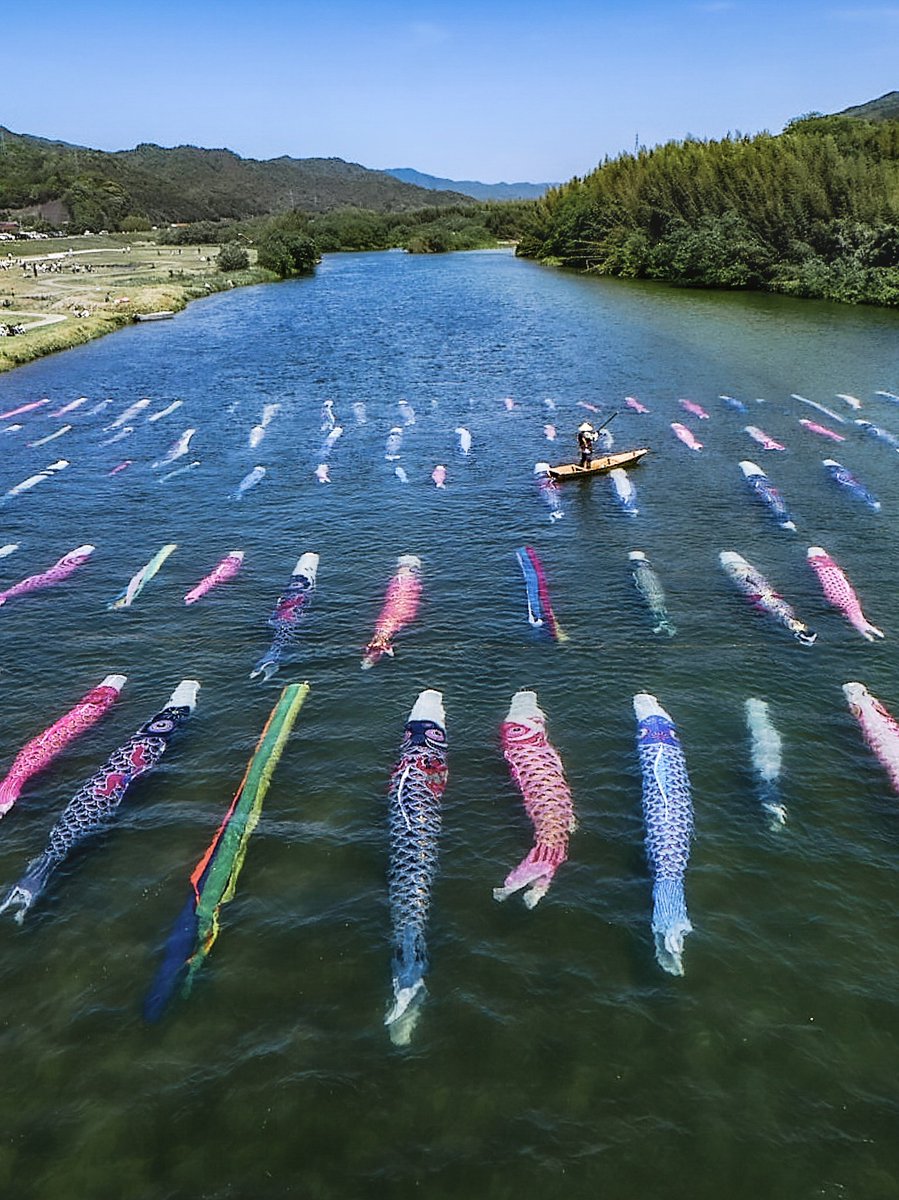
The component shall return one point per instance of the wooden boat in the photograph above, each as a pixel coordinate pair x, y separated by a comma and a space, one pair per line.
164, 314
600, 464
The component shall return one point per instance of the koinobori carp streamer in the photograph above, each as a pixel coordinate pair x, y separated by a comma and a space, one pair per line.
537, 771
839, 592
33, 480
96, 803
399, 609
766, 746
879, 727
226, 569
416, 789
648, 584
56, 574
36, 755
668, 821
138, 581
762, 595
765, 491
292, 606
540, 610
213, 880
846, 480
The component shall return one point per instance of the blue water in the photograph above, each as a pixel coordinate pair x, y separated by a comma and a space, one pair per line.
553, 1057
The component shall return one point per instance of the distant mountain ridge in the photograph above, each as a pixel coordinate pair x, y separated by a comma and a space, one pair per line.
188, 183
884, 108
471, 187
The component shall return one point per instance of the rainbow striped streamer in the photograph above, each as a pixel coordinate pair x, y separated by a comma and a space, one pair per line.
214, 878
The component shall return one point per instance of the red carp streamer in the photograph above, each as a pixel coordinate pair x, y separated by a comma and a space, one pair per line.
399, 609
538, 773
41, 750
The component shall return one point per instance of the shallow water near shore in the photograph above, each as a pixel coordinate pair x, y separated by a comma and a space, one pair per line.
552, 1056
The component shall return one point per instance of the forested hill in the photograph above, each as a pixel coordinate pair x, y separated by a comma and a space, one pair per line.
813, 211
884, 108
101, 189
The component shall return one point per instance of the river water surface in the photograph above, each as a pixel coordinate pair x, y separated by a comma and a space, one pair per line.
553, 1057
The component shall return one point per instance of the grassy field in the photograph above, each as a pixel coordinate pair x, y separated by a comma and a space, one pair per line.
65, 291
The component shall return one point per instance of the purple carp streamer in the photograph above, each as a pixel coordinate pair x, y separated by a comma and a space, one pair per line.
289, 611
96, 803
762, 595
37, 754
537, 770
56, 574
416, 788
879, 727
668, 819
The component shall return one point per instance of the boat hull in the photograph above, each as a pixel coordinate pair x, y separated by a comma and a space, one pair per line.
599, 466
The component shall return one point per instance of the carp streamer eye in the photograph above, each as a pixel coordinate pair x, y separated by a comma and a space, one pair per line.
164, 725
436, 735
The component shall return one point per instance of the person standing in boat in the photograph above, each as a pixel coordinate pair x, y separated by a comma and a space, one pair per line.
586, 439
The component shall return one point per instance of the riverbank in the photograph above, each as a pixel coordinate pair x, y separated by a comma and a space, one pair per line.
66, 291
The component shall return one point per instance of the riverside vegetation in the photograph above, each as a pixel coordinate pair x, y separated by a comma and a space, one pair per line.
812, 212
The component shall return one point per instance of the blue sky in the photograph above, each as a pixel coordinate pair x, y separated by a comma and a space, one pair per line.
492, 91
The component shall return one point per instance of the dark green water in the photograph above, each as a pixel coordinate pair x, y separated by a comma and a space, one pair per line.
553, 1057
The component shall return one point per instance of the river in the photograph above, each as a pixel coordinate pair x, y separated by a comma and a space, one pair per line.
552, 1057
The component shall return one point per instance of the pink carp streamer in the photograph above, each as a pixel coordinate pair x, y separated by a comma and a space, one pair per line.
685, 435
839, 592
879, 727
399, 609
226, 569
56, 574
821, 430
37, 754
538, 773
24, 408
634, 403
697, 410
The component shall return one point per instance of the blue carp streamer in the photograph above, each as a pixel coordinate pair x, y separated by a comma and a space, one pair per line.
289, 611
765, 491
414, 817
668, 820
839, 474
96, 803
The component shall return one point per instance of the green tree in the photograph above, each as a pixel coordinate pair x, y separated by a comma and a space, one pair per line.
287, 253
232, 257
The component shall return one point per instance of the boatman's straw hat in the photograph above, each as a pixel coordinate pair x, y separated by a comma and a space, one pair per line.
585, 427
